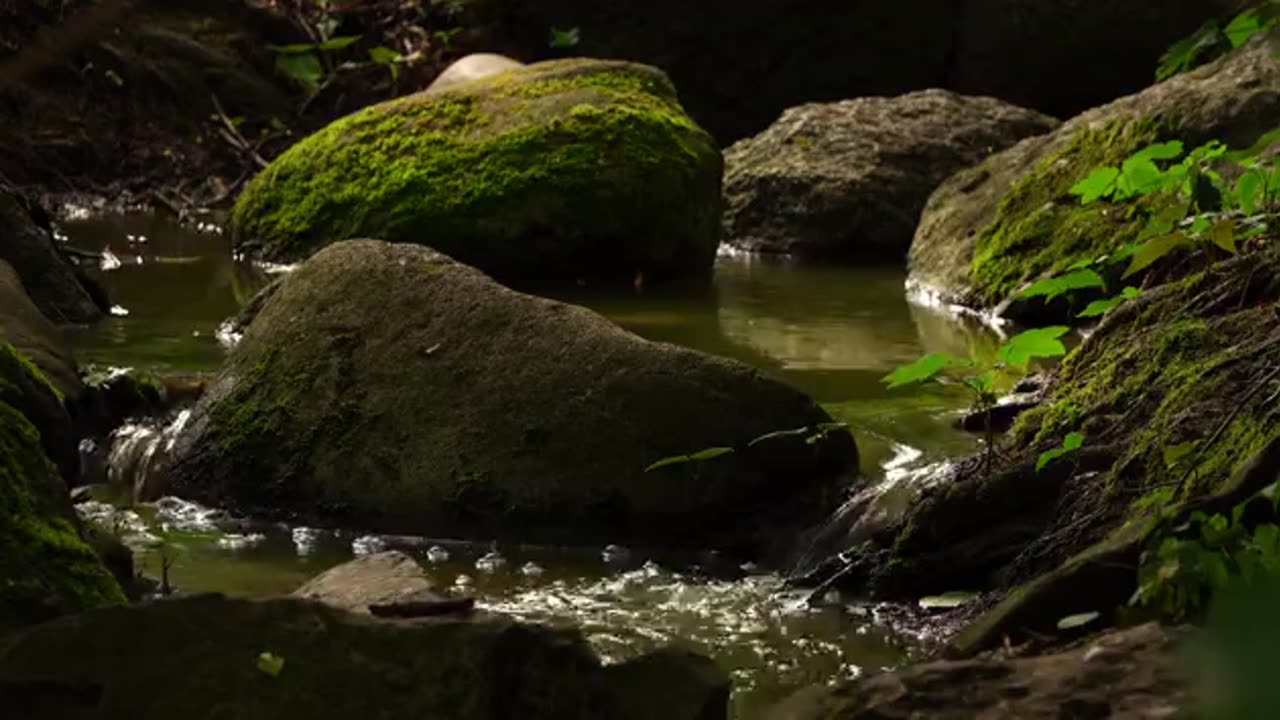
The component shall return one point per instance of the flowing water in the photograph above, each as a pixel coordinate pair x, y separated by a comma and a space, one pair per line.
832, 332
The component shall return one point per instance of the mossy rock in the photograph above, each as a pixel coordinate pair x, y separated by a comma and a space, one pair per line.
200, 656
991, 229
35, 336
554, 174
46, 569
389, 387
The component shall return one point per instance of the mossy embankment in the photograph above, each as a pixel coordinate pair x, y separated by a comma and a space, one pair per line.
46, 568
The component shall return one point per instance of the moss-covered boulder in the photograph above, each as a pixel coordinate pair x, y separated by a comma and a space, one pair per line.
200, 657
390, 387
46, 568
847, 180
991, 229
558, 173
49, 277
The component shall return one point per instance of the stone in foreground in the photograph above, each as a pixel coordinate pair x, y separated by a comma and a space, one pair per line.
389, 387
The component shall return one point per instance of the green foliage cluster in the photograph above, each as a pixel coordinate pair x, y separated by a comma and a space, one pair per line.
1214, 39
1186, 568
309, 64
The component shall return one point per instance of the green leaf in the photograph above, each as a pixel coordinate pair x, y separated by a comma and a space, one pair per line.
1071, 622
947, 600
1098, 308
1130, 292
1141, 176
922, 370
1248, 190
1152, 250
568, 38
779, 434
1055, 286
1244, 26
292, 49
1224, 236
1171, 150
305, 69
1174, 453
1037, 343
1070, 443
1099, 184
270, 664
383, 55
710, 453
337, 43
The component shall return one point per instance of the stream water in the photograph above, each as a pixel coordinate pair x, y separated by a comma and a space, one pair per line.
830, 332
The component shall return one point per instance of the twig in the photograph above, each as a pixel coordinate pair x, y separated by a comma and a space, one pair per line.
233, 136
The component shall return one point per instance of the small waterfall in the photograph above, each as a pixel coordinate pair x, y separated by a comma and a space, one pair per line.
139, 458
872, 510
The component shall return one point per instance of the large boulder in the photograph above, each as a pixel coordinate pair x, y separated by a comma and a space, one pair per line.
27, 329
1123, 675
202, 657
51, 281
575, 171
992, 228
848, 180
390, 387
46, 569
740, 65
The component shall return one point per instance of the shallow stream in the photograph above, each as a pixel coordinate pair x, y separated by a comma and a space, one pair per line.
832, 332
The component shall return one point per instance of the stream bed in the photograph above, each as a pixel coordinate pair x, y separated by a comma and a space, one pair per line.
831, 332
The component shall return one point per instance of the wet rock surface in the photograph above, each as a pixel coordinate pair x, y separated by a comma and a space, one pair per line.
1132, 674
392, 388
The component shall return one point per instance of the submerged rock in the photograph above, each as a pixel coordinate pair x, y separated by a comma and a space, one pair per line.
46, 569
391, 388
848, 180
575, 171
49, 278
205, 655
385, 578
992, 228
1132, 674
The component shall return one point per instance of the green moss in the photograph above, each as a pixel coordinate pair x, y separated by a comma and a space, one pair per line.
18, 374
504, 173
1041, 229
1160, 376
45, 567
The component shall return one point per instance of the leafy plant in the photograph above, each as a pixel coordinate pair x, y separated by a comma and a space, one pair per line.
1214, 39
1181, 572
1072, 442
270, 664
980, 379
302, 61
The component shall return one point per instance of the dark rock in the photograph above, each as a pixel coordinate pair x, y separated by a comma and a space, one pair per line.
739, 66
392, 388
24, 384
557, 174
48, 277
1133, 674
198, 656
1001, 416
848, 180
